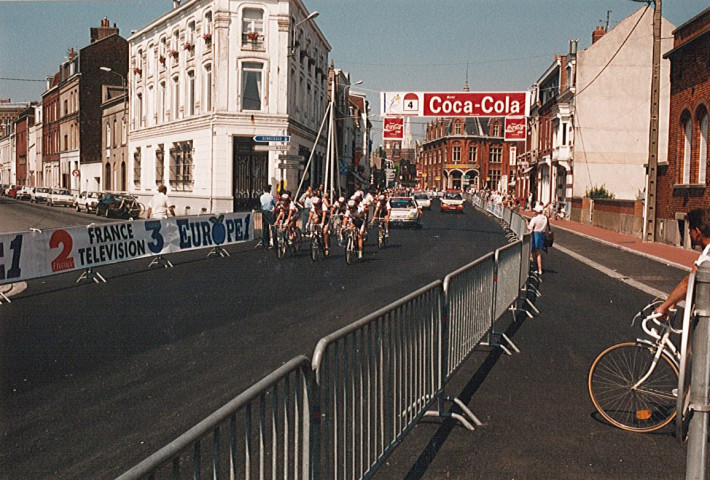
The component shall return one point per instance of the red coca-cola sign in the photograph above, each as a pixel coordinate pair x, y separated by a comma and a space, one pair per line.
474, 104
393, 128
515, 129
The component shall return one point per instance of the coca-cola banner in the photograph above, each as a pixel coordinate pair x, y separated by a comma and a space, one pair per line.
515, 129
455, 104
393, 128
39, 253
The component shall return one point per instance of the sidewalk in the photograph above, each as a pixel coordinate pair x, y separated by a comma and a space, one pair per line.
660, 252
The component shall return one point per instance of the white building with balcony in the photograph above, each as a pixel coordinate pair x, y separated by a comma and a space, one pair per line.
207, 78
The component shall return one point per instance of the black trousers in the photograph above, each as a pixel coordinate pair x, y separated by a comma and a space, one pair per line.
267, 220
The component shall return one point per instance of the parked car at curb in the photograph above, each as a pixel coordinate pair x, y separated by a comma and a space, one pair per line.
404, 211
87, 201
3, 189
11, 191
24, 193
452, 201
423, 200
60, 196
39, 195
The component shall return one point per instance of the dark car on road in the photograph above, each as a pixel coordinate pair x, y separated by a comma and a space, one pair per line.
118, 205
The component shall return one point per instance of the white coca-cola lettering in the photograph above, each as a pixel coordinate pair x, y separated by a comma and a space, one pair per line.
394, 127
515, 127
504, 106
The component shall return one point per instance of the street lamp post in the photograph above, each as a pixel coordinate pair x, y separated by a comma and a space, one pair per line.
292, 47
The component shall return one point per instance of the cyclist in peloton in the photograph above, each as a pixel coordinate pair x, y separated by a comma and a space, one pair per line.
355, 218
320, 214
382, 210
288, 214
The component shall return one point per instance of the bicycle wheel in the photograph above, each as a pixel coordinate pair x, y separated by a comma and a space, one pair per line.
350, 252
281, 244
315, 247
297, 237
647, 408
380, 237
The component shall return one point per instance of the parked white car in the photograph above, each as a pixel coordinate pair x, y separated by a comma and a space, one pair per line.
60, 196
87, 201
39, 195
24, 193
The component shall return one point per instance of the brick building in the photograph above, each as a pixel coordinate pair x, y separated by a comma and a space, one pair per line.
72, 109
23, 124
466, 151
9, 112
683, 183
50, 132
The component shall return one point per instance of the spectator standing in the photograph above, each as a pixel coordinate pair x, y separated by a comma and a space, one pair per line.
267, 216
538, 227
305, 205
159, 205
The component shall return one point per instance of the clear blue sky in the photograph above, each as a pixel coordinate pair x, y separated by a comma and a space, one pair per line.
389, 44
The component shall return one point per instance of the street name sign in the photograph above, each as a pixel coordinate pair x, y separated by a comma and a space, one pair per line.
268, 148
272, 138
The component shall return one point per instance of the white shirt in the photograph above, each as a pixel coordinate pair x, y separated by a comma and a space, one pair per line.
538, 223
159, 205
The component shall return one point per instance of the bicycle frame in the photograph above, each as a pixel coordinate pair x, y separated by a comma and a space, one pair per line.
662, 344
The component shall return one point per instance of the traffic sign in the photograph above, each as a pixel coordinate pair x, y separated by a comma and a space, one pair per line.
267, 148
291, 157
290, 166
272, 138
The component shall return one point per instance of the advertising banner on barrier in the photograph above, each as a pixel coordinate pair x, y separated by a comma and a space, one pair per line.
33, 254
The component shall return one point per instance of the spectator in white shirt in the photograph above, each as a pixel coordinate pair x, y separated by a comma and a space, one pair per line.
159, 205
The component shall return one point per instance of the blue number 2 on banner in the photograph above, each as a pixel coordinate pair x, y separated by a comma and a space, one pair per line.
157, 246
16, 247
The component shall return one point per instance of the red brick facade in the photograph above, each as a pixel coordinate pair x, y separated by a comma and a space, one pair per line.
22, 133
683, 184
458, 147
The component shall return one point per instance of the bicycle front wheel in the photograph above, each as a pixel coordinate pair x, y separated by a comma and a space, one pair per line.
350, 253
646, 408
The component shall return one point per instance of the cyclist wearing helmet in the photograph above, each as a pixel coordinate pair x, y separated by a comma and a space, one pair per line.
355, 218
288, 213
382, 210
320, 214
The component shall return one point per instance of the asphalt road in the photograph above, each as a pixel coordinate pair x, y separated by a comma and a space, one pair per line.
539, 422
18, 216
95, 377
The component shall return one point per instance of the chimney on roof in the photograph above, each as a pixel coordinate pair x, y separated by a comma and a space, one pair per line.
71, 54
103, 31
598, 33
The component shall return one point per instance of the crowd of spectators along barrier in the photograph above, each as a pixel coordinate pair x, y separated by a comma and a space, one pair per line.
342, 413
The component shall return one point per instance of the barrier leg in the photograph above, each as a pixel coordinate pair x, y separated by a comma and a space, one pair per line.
456, 416
4, 297
218, 252
160, 262
89, 274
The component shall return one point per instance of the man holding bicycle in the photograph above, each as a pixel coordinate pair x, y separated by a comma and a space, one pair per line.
699, 231
159, 205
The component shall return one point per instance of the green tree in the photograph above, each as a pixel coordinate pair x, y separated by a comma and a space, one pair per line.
598, 193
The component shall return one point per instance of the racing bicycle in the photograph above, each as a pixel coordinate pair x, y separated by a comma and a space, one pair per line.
286, 239
635, 385
382, 237
351, 244
318, 249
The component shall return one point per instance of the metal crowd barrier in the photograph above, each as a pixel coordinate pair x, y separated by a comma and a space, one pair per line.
262, 433
370, 383
469, 293
377, 377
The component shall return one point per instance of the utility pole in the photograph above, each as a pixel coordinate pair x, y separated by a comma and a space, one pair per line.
650, 207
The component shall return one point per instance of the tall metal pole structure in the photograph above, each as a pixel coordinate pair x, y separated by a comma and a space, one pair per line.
650, 210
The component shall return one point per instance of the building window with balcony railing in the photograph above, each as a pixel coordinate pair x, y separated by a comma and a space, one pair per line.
495, 155
253, 27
